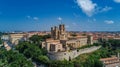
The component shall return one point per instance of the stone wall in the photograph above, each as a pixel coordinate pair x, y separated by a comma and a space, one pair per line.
68, 55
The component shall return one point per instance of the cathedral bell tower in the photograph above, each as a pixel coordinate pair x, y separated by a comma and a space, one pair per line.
58, 33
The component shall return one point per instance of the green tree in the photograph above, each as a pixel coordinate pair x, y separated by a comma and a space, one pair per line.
63, 63
13, 59
36, 39
0, 41
74, 34
43, 59
46, 36
31, 51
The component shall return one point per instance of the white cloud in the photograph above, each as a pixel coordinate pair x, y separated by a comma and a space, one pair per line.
109, 21
59, 18
117, 1
87, 6
105, 9
90, 8
35, 18
28, 17
91, 20
32, 18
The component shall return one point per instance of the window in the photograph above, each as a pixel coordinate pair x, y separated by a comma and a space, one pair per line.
52, 47
64, 53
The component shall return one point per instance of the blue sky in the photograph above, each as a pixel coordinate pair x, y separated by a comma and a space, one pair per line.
78, 15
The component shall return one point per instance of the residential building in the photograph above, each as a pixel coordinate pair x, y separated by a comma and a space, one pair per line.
111, 62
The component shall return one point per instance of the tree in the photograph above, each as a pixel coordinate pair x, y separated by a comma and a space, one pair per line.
1, 34
43, 59
74, 34
84, 34
46, 36
36, 39
0, 41
98, 63
31, 51
13, 59
63, 63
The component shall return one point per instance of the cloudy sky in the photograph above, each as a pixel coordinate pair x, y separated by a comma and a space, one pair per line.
78, 15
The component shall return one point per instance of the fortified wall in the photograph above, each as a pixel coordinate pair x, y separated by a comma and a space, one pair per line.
69, 55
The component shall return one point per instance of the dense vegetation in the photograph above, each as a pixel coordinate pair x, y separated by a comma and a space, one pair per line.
31, 51
112, 45
24, 54
0, 38
0, 41
73, 34
1, 34
36, 39
13, 59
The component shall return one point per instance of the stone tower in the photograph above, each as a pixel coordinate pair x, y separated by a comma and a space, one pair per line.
90, 39
62, 28
58, 33
52, 32
55, 32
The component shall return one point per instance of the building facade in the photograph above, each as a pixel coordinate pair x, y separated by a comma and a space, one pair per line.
61, 42
110, 62
5, 37
16, 37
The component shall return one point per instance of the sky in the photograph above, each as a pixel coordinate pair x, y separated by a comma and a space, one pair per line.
77, 15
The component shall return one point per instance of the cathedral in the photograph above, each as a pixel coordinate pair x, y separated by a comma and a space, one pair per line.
60, 41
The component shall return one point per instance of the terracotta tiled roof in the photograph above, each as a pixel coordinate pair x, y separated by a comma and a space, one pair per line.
107, 59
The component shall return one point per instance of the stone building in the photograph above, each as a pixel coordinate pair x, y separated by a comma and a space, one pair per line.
73, 43
90, 39
52, 45
58, 33
61, 42
5, 37
16, 37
